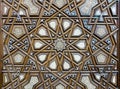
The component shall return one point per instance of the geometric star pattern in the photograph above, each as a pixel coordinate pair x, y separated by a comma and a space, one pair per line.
60, 44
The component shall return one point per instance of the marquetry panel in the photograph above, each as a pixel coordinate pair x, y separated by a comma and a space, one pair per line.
60, 44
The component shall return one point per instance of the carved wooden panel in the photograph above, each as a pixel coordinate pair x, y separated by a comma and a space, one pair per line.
60, 44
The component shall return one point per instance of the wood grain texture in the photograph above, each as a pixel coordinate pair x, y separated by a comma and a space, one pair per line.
30, 72
1, 47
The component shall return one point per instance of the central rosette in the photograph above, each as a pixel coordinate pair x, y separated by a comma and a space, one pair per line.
59, 44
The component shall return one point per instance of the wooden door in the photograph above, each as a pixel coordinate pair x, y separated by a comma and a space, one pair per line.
59, 44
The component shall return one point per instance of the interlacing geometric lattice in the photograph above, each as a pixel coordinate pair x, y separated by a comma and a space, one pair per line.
60, 44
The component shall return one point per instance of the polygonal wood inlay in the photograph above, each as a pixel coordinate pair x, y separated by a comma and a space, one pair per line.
60, 44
